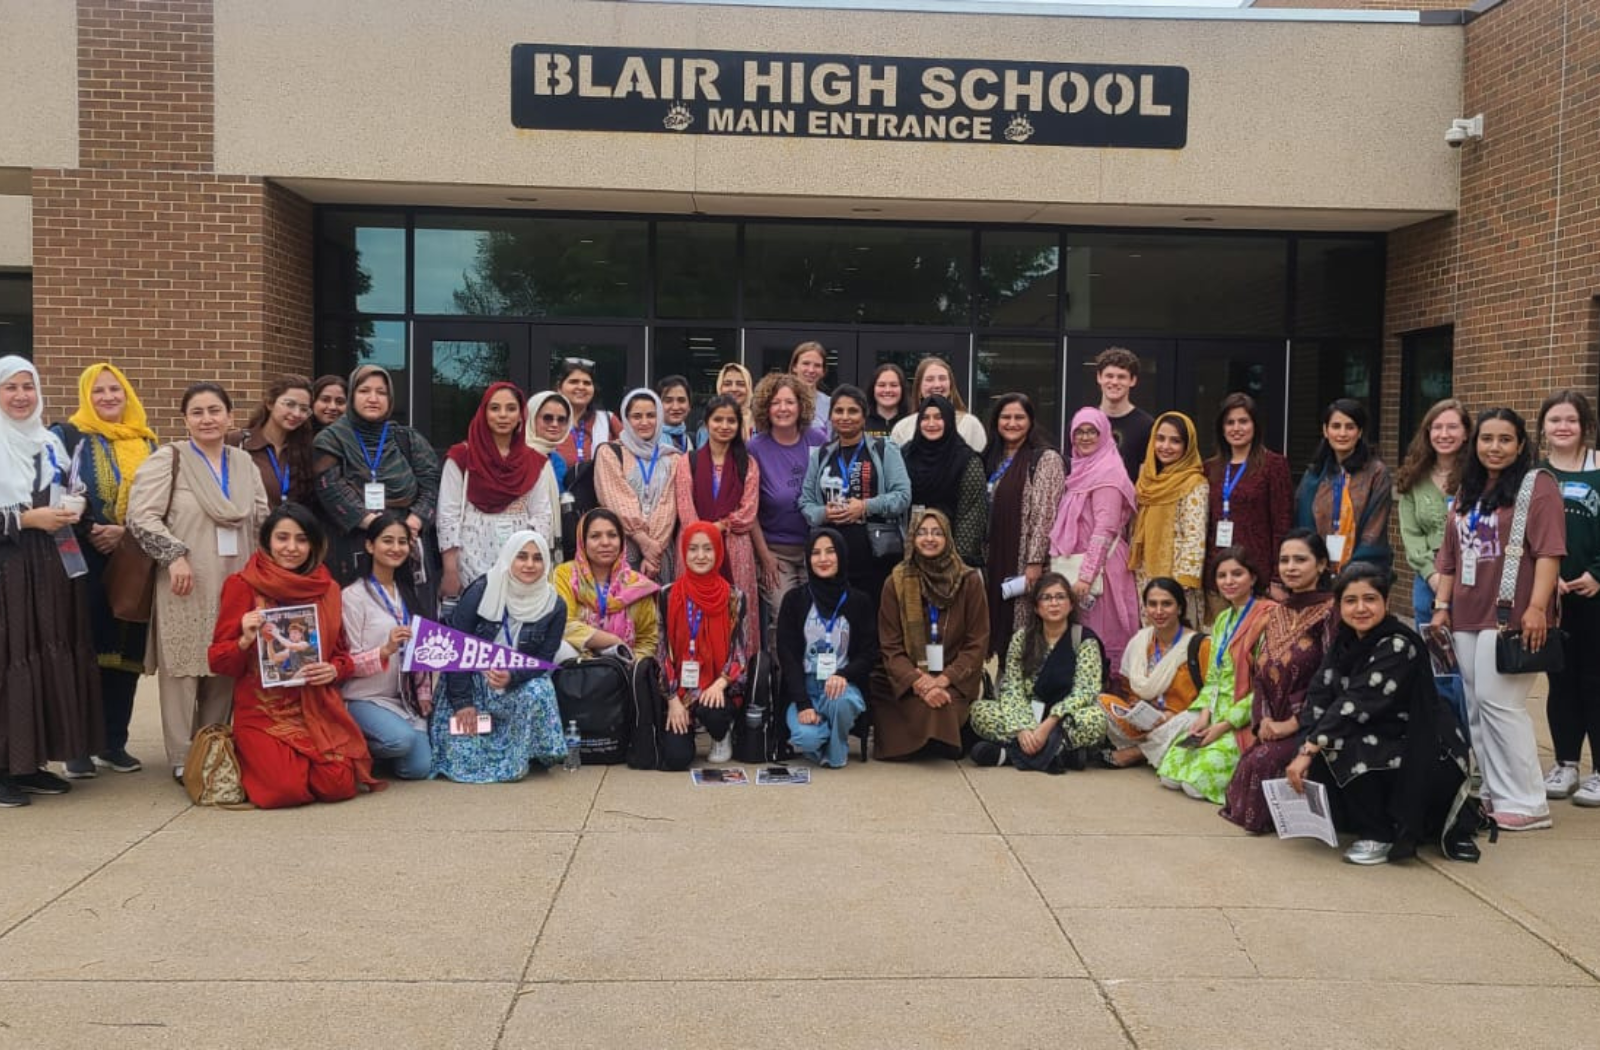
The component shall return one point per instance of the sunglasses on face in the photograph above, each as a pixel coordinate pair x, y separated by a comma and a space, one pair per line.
547, 418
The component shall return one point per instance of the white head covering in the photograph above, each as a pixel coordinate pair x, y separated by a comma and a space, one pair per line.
503, 593
632, 441
535, 403
22, 441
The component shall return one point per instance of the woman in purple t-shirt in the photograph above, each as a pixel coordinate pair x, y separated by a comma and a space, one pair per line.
781, 448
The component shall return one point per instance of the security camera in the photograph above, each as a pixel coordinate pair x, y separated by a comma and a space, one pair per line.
1462, 129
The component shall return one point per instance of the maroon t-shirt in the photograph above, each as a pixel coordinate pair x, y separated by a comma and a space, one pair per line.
1472, 608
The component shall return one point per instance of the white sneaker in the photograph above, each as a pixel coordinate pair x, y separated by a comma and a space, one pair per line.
721, 750
1589, 794
1561, 781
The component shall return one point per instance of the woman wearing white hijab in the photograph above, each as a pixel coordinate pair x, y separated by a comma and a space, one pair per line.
513, 605
637, 481
50, 704
549, 424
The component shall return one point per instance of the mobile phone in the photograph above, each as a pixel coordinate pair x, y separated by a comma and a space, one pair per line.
1192, 740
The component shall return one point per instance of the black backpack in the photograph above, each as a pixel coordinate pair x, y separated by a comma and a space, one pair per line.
597, 693
762, 732
647, 715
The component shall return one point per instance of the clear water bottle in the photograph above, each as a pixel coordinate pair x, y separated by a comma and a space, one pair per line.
574, 743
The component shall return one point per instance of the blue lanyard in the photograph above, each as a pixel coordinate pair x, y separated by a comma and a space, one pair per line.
55, 467
845, 470
1227, 635
1338, 497
105, 446
375, 459
1473, 515
505, 625
716, 481
1155, 643
695, 616
602, 590
933, 622
403, 617
577, 441
827, 624
1230, 481
281, 473
222, 479
1000, 471
649, 472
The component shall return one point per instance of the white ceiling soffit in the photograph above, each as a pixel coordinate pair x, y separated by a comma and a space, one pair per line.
1190, 216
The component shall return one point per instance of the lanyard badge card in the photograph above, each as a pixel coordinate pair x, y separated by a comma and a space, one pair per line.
689, 672
935, 649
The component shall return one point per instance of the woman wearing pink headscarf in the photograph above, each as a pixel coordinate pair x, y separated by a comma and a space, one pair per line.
1089, 540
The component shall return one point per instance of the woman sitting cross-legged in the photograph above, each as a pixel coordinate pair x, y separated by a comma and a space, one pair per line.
704, 657
1164, 667
933, 626
1048, 712
608, 604
827, 642
296, 744
1391, 753
1202, 764
390, 705
514, 605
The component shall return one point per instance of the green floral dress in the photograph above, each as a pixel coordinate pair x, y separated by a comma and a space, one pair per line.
1082, 720
1208, 769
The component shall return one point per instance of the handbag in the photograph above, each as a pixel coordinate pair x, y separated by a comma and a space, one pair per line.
1070, 565
1510, 655
887, 539
129, 579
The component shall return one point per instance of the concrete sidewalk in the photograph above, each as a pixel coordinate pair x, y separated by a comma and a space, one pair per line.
884, 905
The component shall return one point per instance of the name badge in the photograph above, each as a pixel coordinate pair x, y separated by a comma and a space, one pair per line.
227, 542
1335, 548
373, 495
1576, 491
827, 665
1224, 533
689, 675
1469, 567
935, 653
1038, 710
460, 726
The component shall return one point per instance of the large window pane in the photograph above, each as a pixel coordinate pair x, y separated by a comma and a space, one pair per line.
1017, 279
1024, 365
1321, 370
697, 354
16, 315
1338, 287
1426, 375
491, 266
850, 274
606, 358
341, 345
697, 270
361, 263
462, 370
1182, 284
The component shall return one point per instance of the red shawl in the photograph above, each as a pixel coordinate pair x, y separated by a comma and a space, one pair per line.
333, 732
715, 503
710, 593
494, 481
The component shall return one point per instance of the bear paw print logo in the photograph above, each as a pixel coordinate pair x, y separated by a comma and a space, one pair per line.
436, 650
678, 117
1019, 130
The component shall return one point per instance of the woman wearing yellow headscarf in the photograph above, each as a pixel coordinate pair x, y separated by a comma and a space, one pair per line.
108, 438
1169, 531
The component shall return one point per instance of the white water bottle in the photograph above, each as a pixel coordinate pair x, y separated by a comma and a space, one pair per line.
574, 742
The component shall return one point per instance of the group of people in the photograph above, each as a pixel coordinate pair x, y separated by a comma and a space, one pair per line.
1222, 625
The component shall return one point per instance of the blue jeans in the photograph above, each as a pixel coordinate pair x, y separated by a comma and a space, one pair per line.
390, 736
828, 742
1450, 686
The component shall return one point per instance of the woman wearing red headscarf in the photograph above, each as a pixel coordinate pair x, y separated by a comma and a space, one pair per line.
297, 743
703, 656
493, 485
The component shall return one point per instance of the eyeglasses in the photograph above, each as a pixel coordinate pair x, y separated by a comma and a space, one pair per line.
295, 406
547, 418
1053, 596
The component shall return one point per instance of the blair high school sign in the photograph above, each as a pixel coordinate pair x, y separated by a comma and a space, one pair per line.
565, 88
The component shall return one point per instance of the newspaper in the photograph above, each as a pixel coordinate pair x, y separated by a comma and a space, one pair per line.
734, 777
1142, 715
1441, 651
289, 640
1300, 816
783, 775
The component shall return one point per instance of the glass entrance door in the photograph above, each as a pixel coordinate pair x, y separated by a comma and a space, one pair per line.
769, 349
907, 349
1210, 369
456, 360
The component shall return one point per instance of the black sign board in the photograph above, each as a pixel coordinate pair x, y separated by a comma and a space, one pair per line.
564, 87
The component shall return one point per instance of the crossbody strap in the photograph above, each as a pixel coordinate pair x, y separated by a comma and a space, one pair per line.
1512, 559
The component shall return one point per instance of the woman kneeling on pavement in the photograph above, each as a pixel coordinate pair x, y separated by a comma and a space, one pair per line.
827, 642
704, 657
1391, 753
513, 605
1047, 714
296, 744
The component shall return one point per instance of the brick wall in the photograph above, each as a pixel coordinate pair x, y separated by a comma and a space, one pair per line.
1517, 269
143, 255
